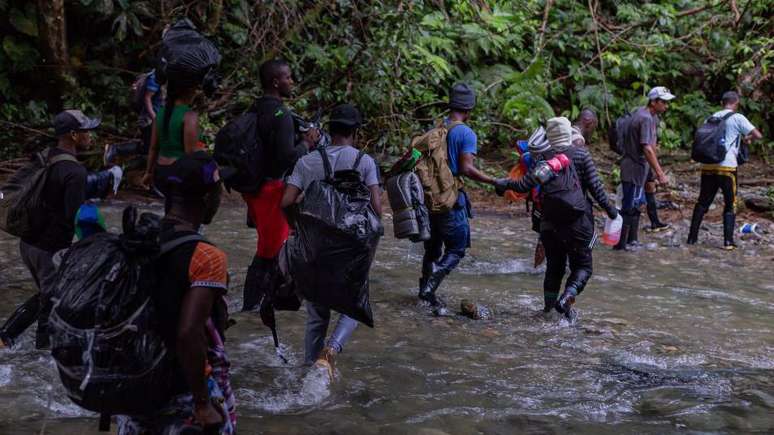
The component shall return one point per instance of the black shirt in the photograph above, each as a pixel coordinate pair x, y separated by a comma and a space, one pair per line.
63, 195
278, 134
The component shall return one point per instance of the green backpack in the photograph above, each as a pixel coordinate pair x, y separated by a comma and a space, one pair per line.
21, 197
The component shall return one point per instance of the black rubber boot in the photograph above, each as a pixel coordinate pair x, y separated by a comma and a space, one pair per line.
698, 215
634, 230
655, 224
729, 220
42, 337
566, 301
427, 291
621, 246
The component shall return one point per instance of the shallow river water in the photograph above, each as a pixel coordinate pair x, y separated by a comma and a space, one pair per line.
669, 339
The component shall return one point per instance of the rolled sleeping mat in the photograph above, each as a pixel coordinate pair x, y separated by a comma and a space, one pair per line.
400, 196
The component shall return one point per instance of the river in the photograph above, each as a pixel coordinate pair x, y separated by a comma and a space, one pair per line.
669, 340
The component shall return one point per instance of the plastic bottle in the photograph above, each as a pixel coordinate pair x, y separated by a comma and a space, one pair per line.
612, 233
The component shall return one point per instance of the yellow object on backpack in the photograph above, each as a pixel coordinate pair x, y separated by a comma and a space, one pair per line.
440, 185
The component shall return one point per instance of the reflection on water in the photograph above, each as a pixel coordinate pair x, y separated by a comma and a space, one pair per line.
668, 339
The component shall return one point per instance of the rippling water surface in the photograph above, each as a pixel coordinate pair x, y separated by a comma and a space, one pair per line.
669, 339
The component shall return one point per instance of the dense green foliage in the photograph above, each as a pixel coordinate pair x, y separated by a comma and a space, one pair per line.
528, 60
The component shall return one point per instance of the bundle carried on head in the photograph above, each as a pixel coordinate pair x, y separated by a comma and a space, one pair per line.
187, 58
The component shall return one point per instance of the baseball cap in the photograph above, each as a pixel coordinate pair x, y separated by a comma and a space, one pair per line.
193, 175
660, 93
73, 120
346, 115
462, 97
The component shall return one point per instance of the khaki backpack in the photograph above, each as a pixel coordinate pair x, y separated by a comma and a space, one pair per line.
21, 197
440, 185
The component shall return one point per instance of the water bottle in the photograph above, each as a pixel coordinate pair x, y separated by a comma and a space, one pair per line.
749, 228
612, 233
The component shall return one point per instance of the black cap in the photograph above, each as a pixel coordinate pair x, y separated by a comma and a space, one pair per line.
193, 175
462, 97
729, 97
73, 120
346, 115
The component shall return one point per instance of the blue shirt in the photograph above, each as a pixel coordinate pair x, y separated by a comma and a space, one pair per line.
151, 85
460, 140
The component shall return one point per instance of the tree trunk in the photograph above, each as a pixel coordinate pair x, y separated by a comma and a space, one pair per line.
52, 39
216, 7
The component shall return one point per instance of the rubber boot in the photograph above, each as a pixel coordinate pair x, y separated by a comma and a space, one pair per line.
633, 240
121, 149
566, 301
655, 224
698, 215
42, 333
729, 219
427, 291
625, 227
21, 319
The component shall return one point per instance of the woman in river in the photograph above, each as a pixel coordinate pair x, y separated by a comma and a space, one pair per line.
175, 134
567, 233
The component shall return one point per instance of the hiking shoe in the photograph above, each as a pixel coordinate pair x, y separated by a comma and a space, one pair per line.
327, 360
729, 246
658, 227
565, 303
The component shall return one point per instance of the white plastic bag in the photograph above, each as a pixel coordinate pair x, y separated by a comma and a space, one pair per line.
612, 233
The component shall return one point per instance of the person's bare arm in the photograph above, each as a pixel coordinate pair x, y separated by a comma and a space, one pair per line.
290, 196
468, 169
754, 135
652, 158
148, 101
376, 199
190, 132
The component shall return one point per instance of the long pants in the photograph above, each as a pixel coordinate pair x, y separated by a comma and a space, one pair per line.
38, 307
264, 210
711, 182
449, 238
317, 321
572, 242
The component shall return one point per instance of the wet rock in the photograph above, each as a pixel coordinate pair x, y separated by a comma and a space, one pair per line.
765, 399
759, 203
489, 332
669, 349
614, 321
475, 311
428, 431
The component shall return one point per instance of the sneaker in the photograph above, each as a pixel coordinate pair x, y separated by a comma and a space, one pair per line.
658, 227
327, 360
729, 246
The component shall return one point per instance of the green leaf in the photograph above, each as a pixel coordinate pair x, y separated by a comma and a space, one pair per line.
23, 23
21, 54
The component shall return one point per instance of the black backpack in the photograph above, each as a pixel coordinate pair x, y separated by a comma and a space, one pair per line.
337, 231
562, 199
709, 141
239, 151
616, 134
22, 207
109, 353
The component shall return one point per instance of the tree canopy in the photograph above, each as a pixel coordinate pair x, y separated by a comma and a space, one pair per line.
528, 60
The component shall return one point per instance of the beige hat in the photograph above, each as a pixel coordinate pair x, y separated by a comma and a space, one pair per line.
559, 132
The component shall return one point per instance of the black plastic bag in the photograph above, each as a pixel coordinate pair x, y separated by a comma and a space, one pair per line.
188, 58
337, 232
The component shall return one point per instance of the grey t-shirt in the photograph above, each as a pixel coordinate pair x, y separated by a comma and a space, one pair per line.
310, 167
642, 131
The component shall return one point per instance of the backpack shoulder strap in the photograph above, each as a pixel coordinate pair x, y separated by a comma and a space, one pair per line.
357, 159
728, 115
326, 163
169, 246
62, 158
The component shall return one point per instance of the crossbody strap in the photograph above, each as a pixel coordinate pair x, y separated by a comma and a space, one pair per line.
171, 245
326, 163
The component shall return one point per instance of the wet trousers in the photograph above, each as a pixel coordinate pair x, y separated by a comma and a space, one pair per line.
318, 317
38, 307
711, 182
567, 243
449, 239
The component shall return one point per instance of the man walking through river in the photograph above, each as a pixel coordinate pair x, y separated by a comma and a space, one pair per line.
639, 156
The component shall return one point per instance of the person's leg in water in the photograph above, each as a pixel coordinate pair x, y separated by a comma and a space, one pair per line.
433, 251
556, 264
317, 319
335, 345
728, 186
455, 233
273, 230
651, 205
708, 189
21, 319
43, 271
581, 265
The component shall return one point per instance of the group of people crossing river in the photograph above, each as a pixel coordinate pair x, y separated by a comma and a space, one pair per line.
191, 278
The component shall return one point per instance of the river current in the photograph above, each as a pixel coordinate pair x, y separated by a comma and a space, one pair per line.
669, 340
